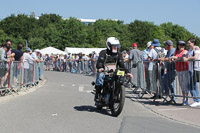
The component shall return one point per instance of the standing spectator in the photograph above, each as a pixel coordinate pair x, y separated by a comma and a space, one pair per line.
4, 64
125, 56
95, 57
85, 64
146, 51
35, 53
135, 56
182, 70
9, 43
65, 63
18, 56
154, 54
90, 64
80, 63
47, 60
145, 57
69, 62
168, 78
28, 60
194, 68
18, 52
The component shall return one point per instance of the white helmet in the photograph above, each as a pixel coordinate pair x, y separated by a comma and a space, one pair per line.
112, 41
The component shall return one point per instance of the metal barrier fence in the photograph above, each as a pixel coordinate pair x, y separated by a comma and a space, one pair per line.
86, 67
165, 80
14, 76
169, 80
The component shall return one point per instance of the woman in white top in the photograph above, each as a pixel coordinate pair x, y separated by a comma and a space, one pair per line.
194, 66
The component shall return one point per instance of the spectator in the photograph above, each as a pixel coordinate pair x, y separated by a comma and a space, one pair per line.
85, 64
18, 52
28, 60
145, 57
182, 70
9, 43
125, 56
70, 61
145, 54
154, 54
4, 65
80, 63
135, 56
194, 68
65, 63
47, 60
35, 53
168, 78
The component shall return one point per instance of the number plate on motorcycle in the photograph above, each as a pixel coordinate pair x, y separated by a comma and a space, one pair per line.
120, 73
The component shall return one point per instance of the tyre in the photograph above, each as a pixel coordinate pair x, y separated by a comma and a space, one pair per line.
99, 107
118, 104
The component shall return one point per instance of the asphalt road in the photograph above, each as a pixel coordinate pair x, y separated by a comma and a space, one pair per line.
65, 105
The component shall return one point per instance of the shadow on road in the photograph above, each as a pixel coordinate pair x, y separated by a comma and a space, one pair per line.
89, 108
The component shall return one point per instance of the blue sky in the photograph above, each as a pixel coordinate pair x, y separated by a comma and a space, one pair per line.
183, 12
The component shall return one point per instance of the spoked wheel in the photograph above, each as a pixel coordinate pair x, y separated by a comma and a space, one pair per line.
118, 103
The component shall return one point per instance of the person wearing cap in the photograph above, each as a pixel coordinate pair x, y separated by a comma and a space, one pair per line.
134, 57
145, 57
182, 70
135, 54
28, 60
168, 78
194, 69
35, 53
147, 50
153, 66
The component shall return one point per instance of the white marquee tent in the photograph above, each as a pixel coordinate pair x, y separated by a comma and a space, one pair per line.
52, 50
86, 51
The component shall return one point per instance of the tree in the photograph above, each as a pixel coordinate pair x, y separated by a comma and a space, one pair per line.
52, 30
73, 33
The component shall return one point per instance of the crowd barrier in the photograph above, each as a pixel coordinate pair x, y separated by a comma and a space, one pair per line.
14, 76
86, 67
160, 80
168, 80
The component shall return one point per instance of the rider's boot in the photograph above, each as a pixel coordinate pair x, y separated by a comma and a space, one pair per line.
97, 95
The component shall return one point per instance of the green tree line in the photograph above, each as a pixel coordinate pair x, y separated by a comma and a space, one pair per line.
52, 30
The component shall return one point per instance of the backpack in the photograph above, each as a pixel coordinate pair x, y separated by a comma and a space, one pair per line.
160, 52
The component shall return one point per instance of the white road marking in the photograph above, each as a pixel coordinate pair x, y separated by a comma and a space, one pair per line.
62, 85
54, 114
73, 85
172, 109
89, 91
81, 88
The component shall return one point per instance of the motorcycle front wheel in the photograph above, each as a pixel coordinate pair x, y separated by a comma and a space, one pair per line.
118, 101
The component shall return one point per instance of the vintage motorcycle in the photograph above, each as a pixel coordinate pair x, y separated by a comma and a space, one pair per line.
112, 94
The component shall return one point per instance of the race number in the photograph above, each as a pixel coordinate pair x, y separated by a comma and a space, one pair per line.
120, 73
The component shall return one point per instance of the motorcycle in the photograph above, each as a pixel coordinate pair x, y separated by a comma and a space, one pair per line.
112, 94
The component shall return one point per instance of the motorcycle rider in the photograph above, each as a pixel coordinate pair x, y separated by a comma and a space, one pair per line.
111, 55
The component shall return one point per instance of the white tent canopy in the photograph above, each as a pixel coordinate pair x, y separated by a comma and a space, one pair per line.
86, 51
52, 50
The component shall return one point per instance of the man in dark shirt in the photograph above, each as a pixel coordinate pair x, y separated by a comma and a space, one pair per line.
18, 52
